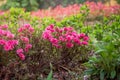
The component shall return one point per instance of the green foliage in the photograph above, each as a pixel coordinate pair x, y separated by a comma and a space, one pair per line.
76, 21
49, 77
16, 17
118, 1
27, 4
46, 22
105, 62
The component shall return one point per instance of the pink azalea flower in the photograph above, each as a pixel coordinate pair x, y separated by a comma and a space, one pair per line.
29, 46
20, 51
46, 35
21, 56
31, 30
2, 42
76, 40
85, 43
61, 38
69, 45
20, 29
7, 47
4, 27
86, 38
27, 26
9, 35
81, 35
54, 40
69, 38
24, 39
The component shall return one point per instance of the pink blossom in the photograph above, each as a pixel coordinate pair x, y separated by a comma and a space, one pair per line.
12, 42
46, 35
60, 30
54, 40
70, 28
69, 38
2, 42
20, 29
9, 35
61, 38
21, 56
69, 45
76, 40
29, 46
27, 26
20, 50
24, 39
65, 29
15, 42
86, 38
8, 47
50, 28
4, 27
74, 34
31, 30
4, 33
81, 35
85, 43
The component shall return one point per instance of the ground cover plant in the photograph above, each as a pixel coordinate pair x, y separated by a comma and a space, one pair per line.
73, 48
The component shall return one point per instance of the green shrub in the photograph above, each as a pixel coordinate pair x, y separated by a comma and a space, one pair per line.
105, 63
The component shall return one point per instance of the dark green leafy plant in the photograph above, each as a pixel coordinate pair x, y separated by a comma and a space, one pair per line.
105, 63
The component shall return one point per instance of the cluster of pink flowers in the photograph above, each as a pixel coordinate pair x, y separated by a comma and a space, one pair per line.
7, 40
67, 35
24, 33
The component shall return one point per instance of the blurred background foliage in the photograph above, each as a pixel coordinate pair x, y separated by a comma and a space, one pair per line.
36, 4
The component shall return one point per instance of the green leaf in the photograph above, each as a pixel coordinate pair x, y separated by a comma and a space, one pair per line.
100, 50
50, 75
113, 74
102, 75
89, 72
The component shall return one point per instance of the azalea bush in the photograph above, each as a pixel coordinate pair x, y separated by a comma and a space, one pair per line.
66, 42
34, 43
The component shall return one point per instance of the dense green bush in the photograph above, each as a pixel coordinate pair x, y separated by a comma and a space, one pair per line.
105, 62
